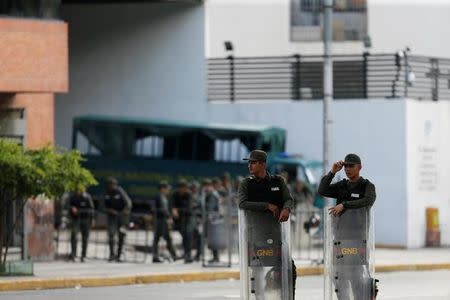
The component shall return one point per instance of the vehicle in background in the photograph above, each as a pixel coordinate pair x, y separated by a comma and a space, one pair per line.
142, 152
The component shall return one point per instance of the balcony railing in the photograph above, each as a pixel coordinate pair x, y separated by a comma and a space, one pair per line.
354, 77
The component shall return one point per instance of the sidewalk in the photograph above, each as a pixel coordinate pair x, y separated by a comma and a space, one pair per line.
60, 274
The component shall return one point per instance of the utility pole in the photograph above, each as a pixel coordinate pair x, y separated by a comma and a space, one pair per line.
327, 82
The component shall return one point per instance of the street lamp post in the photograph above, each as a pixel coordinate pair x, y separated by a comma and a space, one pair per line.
327, 83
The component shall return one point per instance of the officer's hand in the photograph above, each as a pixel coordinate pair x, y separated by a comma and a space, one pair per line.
337, 166
275, 210
170, 221
113, 211
336, 210
175, 213
284, 215
74, 210
93, 224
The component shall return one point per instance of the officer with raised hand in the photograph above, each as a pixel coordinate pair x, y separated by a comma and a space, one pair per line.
354, 192
350, 229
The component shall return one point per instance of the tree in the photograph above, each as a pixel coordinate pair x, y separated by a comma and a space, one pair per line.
24, 174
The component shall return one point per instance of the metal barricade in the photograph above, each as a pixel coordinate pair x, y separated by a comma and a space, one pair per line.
137, 242
307, 234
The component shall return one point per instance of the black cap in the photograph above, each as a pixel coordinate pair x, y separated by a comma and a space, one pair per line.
111, 180
163, 184
257, 155
352, 159
182, 183
206, 181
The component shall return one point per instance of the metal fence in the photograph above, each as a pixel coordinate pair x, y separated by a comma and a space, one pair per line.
137, 245
217, 230
354, 77
307, 234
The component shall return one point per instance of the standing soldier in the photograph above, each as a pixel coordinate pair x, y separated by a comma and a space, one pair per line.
263, 192
197, 211
211, 202
351, 229
81, 211
183, 214
163, 220
118, 207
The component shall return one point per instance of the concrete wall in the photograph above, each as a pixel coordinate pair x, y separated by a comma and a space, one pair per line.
261, 28
375, 129
143, 60
428, 162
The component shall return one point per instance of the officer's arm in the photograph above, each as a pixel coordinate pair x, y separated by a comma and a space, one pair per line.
128, 204
288, 201
366, 201
326, 189
91, 205
250, 205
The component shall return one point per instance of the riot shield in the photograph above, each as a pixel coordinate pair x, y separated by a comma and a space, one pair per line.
265, 258
349, 248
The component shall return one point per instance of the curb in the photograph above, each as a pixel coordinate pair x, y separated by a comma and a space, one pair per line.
55, 283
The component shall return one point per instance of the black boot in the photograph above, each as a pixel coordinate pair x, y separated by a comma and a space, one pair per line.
111, 250
120, 247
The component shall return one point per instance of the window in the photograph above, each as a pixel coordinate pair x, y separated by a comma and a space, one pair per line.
42, 9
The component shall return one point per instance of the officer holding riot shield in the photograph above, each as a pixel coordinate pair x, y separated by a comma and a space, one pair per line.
267, 270
349, 235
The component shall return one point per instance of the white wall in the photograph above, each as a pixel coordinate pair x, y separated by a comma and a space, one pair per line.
375, 129
142, 60
428, 124
261, 28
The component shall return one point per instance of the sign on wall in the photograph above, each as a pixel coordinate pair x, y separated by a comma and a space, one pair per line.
349, 20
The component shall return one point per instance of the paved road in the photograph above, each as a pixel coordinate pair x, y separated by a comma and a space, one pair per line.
394, 286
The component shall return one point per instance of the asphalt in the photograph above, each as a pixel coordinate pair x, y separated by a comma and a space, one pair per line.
94, 273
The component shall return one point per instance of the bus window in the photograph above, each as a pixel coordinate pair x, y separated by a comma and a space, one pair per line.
229, 150
149, 146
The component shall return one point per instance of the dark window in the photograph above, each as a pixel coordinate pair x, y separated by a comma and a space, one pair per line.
41, 9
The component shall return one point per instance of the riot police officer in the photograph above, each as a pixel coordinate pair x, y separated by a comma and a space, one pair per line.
354, 198
262, 191
163, 221
81, 212
118, 207
183, 215
212, 200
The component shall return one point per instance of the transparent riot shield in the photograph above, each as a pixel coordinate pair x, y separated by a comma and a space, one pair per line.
349, 248
265, 258
217, 235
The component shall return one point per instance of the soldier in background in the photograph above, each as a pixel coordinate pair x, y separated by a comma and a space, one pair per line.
183, 214
212, 200
118, 208
81, 212
163, 221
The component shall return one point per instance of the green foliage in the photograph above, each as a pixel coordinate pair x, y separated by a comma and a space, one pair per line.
48, 171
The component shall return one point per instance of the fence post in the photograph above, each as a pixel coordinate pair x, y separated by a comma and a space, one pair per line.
232, 91
365, 65
296, 95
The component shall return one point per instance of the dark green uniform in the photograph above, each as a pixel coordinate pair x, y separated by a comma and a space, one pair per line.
256, 194
118, 207
81, 211
348, 193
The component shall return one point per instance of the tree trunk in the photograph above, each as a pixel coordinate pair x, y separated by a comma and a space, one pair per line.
2, 221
